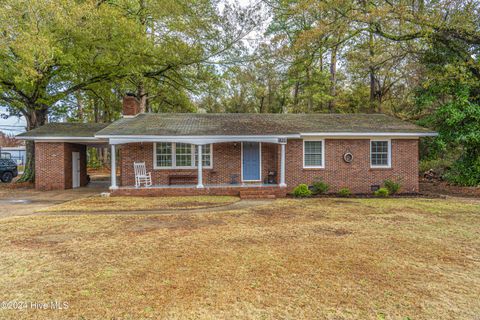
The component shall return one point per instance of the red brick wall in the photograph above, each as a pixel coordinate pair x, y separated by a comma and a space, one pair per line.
131, 106
226, 162
191, 191
357, 175
49, 166
270, 159
53, 165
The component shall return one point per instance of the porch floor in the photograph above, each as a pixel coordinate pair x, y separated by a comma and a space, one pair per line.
183, 186
254, 190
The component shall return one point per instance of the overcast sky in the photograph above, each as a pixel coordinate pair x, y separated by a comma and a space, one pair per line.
11, 125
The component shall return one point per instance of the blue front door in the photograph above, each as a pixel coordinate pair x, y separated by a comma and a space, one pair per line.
251, 161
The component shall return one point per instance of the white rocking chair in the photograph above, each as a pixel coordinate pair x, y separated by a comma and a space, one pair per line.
141, 175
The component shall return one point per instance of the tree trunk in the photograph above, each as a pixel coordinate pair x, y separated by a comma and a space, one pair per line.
36, 117
141, 93
379, 103
78, 96
269, 97
309, 89
372, 91
95, 110
142, 97
262, 104
283, 103
295, 96
333, 78
372, 74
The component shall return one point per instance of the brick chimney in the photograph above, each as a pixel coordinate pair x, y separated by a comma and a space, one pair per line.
131, 106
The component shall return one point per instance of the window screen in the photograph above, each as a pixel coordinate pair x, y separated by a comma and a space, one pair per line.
183, 155
164, 154
173, 155
313, 153
379, 153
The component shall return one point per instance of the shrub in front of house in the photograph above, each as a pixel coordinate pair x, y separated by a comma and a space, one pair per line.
302, 191
392, 186
319, 187
344, 192
382, 192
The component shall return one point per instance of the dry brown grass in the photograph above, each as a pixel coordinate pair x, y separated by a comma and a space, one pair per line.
295, 259
114, 204
12, 186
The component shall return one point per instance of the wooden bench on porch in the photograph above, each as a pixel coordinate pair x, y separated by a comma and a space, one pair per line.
182, 179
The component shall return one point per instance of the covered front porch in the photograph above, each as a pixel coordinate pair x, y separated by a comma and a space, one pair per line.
245, 166
250, 191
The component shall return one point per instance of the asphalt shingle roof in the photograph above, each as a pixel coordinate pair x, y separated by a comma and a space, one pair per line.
235, 124
229, 124
65, 129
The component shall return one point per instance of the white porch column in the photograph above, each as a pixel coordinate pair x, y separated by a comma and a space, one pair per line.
282, 166
200, 167
113, 168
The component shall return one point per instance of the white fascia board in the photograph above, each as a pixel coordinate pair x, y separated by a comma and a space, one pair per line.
37, 138
55, 138
369, 134
199, 140
276, 136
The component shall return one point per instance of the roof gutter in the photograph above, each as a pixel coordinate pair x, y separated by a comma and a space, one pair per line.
369, 134
228, 138
276, 136
50, 138
199, 140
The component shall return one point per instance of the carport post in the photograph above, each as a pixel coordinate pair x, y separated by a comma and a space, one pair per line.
282, 165
200, 167
113, 168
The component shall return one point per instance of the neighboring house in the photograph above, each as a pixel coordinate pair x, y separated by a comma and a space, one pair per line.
12, 148
247, 154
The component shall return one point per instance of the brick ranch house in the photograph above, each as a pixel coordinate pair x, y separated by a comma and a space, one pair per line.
246, 154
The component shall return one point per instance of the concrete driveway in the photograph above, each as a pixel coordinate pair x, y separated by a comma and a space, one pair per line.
19, 202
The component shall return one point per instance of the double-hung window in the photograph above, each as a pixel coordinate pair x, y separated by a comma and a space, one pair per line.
313, 154
183, 155
163, 154
380, 154
169, 155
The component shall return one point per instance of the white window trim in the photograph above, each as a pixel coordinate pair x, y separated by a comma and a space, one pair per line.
389, 154
323, 154
174, 158
260, 166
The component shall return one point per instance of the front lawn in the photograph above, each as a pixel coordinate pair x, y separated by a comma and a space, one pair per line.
115, 204
291, 259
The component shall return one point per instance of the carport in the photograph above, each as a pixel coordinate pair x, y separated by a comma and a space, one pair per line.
61, 153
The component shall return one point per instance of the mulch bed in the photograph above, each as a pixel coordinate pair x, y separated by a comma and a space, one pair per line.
444, 188
428, 189
371, 195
